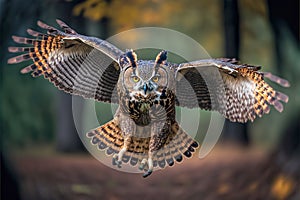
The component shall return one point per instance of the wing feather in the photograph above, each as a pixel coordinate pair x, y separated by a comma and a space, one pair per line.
77, 64
237, 91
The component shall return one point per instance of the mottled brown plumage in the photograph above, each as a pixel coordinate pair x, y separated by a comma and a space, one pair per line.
144, 130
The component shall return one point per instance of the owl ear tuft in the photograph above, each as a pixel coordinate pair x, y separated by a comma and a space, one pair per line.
130, 58
161, 58
123, 61
131, 55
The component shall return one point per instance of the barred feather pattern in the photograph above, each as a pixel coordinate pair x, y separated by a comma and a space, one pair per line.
74, 63
249, 96
179, 144
237, 91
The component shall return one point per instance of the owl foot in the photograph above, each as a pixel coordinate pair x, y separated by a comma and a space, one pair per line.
143, 164
147, 173
150, 167
117, 158
115, 161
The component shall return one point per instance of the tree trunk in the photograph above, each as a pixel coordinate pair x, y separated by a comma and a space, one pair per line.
282, 170
10, 185
285, 25
233, 132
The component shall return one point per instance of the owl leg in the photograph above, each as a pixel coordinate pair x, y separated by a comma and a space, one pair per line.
127, 127
159, 134
149, 162
117, 158
150, 166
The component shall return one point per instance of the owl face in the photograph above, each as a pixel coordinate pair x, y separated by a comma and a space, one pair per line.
146, 79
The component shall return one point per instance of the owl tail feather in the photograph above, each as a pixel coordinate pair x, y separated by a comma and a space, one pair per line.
178, 145
109, 138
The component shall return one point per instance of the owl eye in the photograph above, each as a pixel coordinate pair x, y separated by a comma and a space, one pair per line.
155, 79
135, 79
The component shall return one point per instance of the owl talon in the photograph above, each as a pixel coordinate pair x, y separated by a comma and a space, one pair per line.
143, 164
147, 173
119, 164
141, 167
150, 167
117, 158
115, 161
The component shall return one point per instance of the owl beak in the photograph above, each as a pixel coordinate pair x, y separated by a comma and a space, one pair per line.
147, 87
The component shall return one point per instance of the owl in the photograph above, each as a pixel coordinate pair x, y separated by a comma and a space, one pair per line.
144, 130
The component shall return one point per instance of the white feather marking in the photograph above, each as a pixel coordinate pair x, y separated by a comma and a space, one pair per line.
240, 97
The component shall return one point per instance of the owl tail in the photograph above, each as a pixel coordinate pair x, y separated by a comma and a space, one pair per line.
108, 138
178, 145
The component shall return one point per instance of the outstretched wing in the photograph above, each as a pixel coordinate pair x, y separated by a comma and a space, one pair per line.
77, 64
237, 91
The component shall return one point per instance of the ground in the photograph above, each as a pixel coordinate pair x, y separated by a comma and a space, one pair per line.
226, 173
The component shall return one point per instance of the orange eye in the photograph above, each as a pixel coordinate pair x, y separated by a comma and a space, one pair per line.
155, 79
135, 79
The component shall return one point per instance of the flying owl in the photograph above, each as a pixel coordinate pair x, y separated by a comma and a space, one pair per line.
144, 130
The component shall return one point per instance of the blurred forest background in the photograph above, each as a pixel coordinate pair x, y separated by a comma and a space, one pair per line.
42, 156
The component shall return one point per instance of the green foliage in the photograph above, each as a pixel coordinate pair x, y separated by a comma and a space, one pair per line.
27, 108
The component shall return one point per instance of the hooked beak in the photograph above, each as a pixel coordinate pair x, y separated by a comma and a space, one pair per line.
147, 87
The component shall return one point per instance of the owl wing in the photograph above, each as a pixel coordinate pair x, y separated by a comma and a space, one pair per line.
77, 64
238, 91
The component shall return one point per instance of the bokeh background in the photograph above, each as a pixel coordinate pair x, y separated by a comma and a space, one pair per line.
42, 156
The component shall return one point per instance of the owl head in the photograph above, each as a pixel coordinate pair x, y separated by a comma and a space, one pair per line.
144, 79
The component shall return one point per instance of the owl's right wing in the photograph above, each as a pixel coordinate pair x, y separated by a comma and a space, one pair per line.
77, 64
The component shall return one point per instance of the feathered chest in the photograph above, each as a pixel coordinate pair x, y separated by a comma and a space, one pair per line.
150, 108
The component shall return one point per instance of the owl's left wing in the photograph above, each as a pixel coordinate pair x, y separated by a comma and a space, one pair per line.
77, 64
238, 91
